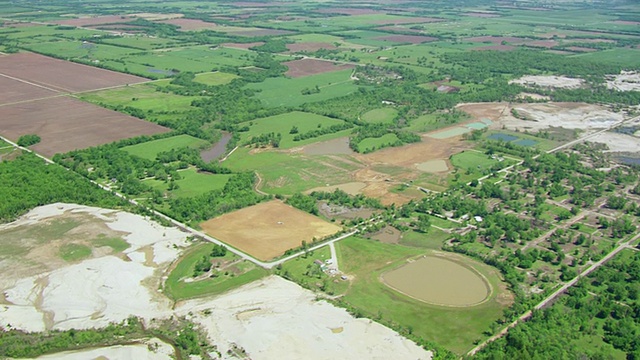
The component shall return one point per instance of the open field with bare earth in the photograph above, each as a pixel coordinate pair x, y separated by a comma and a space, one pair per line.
12, 90
260, 32
306, 67
277, 319
626, 81
618, 142
560, 82
271, 318
190, 24
310, 46
61, 75
66, 124
95, 20
267, 230
495, 48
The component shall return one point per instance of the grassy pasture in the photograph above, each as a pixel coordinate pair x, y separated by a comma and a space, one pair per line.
76, 49
283, 123
622, 56
176, 288
74, 252
382, 115
370, 144
284, 173
215, 78
143, 42
276, 92
453, 328
192, 183
150, 149
143, 97
472, 161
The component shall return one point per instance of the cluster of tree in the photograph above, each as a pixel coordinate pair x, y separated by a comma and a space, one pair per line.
263, 140
378, 130
603, 307
303, 202
28, 140
236, 194
323, 131
27, 182
339, 197
272, 46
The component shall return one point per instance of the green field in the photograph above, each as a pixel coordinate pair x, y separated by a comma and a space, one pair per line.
192, 183
382, 115
74, 252
372, 144
473, 161
284, 173
626, 57
150, 149
215, 78
283, 124
454, 328
143, 97
242, 273
276, 92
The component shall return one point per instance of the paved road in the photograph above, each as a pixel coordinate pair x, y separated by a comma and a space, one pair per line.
334, 257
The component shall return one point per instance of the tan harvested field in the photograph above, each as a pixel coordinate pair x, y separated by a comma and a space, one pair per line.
433, 166
310, 46
267, 230
66, 124
12, 90
61, 75
412, 39
482, 15
97, 20
306, 67
190, 24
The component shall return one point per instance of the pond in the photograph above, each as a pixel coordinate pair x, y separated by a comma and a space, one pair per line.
439, 281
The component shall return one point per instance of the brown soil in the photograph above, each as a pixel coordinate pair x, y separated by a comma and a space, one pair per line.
388, 234
306, 67
310, 46
190, 24
413, 39
482, 15
66, 124
542, 43
61, 75
13, 91
268, 229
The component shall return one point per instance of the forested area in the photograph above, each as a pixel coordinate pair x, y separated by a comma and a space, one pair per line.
27, 182
600, 313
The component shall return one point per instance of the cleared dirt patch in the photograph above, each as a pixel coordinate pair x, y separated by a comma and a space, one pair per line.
618, 142
267, 230
306, 67
433, 166
12, 90
559, 82
98, 20
276, 319
482, 15
190, 24
440, 281
331, 147
625, 81
61, 75
310, 46
412, 39
388, 234
66, 124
